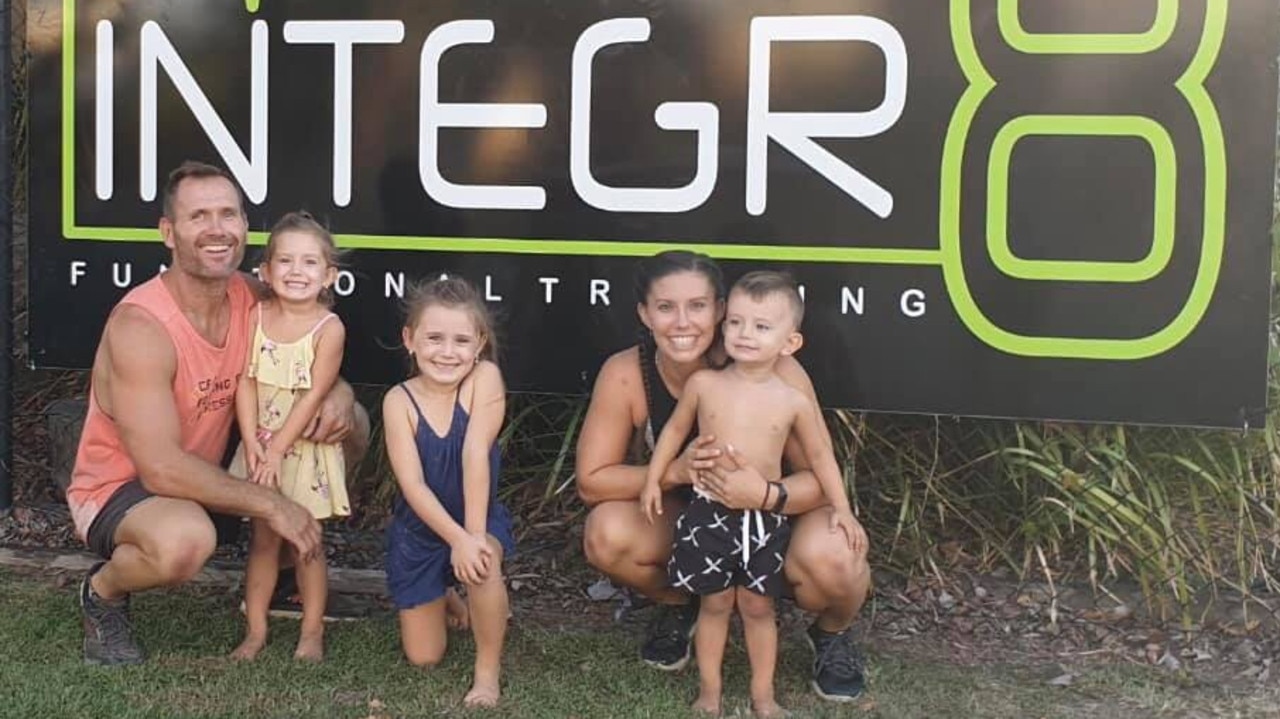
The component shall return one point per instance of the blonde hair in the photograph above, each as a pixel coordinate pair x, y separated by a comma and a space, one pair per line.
302, 221
454, 293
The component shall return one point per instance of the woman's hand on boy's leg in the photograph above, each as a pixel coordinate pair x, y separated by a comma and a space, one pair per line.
844, 521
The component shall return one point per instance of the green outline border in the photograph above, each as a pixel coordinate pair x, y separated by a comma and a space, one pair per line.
595, 248
1191, 87
1165, 205
1087, 43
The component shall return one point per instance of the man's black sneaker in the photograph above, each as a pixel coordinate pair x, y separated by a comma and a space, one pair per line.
667, 647
837, 665
108, 636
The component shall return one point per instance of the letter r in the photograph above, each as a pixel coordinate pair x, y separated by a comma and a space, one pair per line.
795, 130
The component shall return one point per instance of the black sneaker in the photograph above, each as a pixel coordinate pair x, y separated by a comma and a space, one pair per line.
837, 665
108, 635
667, 647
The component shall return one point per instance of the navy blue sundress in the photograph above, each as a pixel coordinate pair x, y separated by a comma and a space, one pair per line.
418, 566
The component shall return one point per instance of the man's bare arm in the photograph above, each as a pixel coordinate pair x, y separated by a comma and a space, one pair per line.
141, 363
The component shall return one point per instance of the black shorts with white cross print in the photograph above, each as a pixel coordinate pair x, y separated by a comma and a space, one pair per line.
716, 548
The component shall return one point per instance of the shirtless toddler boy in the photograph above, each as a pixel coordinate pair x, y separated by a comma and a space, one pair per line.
730, 557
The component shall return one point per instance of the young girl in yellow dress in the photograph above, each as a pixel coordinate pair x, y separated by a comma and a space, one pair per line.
294, 357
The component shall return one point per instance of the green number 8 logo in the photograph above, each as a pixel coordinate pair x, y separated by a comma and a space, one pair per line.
1190, 86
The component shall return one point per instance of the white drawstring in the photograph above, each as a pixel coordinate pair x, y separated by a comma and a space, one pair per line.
746, 532
746, 526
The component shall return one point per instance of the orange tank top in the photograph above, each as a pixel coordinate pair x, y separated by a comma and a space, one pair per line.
204, 388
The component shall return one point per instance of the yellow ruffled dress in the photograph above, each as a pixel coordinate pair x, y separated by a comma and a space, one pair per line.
312, 474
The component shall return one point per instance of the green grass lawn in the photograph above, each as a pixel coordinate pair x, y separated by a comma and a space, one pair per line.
586, 673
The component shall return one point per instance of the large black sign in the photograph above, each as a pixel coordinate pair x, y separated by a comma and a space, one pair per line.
1027, 209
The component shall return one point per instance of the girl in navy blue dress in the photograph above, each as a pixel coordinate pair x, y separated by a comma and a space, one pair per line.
441, 428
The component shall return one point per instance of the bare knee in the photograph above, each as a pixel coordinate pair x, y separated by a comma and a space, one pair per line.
836, 570
718, 604
172, 538
825, 560
423, 642
754, 607
605, 538
422, 634
424, 657
494, 578
180, 558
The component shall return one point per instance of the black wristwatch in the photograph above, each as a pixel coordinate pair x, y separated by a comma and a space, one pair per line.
781, 501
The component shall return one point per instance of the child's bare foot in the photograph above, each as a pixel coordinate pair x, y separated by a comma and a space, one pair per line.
768, 709
457, 615
707, 703
310, 648
249, 648
482, 696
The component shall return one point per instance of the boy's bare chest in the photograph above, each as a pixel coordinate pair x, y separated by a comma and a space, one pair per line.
746, 418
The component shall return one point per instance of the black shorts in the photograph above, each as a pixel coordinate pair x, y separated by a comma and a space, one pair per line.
708, 557
101, 537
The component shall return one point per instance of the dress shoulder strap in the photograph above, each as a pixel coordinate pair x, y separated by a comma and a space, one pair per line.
412, 401
324, 319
